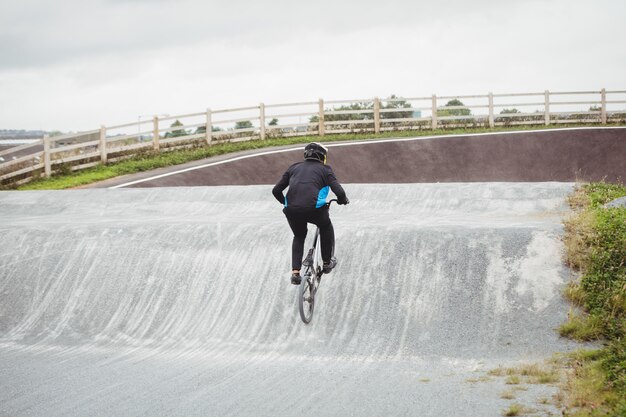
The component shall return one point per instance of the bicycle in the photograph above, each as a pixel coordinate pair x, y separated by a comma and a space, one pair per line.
313, 271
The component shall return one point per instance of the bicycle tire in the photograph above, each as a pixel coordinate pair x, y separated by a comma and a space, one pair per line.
306, 297
310, 280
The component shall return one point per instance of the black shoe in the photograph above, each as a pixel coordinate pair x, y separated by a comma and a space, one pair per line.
295, 278
328, 266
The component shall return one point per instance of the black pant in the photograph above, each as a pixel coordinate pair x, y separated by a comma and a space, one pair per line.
298, 219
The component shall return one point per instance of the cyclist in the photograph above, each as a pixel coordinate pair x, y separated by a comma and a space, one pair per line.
309, 182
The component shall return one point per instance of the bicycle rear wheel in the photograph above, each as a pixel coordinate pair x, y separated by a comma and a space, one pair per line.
306, 297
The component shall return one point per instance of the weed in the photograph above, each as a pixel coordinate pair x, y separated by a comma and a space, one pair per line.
580, 327
532, 373
579, 232
507, 395
500, 371
579, 199
512, 380
547, 378
586, 386
483, 378
581, 355
574, 293
513, 410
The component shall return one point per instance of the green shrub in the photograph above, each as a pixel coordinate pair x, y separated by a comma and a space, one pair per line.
596, 244
582, 328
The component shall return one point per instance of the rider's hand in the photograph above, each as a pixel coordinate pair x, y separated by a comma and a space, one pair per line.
344, 202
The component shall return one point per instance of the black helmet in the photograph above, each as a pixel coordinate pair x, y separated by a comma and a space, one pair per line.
315, 151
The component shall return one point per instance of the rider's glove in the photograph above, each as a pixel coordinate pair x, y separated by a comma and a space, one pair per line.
344, 201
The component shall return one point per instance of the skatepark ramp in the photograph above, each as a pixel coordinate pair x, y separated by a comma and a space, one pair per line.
176, 301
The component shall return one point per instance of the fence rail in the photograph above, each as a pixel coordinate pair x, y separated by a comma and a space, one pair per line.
113, 143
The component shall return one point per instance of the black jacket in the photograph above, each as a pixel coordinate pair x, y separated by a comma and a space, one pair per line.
309, 182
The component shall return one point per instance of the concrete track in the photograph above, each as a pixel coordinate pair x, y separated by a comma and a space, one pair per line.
155, 302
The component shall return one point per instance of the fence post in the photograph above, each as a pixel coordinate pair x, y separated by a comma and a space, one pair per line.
47, 166
376, 115
547, 107
434, 112
320, 118
603, 99
262, 119
103, 144
155, 133
491, 119
209, 127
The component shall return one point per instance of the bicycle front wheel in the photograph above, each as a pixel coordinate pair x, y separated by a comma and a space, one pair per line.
306, 298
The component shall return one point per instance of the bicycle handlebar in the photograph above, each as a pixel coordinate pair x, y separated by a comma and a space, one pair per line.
330, 201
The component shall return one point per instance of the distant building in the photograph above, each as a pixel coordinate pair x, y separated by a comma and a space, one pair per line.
20, 134
16, 142
88, 137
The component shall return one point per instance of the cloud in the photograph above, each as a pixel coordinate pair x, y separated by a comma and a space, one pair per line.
36, 33
72, 65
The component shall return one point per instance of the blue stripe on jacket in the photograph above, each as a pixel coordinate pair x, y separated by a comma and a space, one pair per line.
321, 197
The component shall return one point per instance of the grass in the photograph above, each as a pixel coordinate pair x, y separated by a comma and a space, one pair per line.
586, 391
513, 410
152, 160
516, 410
595, 242
512, 380
507, 395
483, 378
579, 231
518, 377
581, 327
500, 371
527, 373
574, 293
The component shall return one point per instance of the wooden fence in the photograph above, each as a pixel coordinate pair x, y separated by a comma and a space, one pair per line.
165, 133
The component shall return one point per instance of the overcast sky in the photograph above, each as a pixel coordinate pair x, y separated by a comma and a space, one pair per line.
76, 64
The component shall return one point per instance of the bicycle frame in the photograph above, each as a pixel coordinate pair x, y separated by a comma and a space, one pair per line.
312, 277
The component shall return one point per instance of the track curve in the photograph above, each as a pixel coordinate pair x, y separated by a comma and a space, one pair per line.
565, 155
